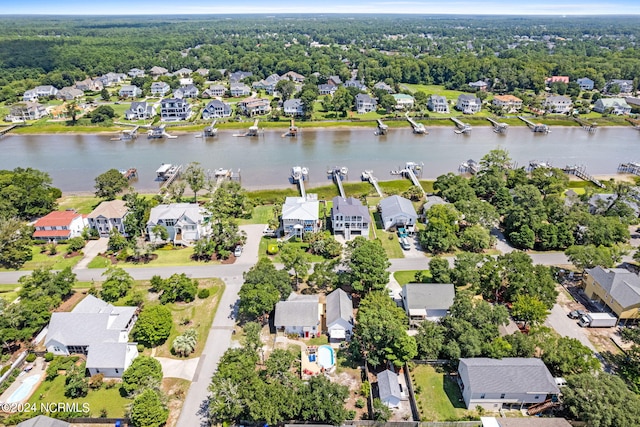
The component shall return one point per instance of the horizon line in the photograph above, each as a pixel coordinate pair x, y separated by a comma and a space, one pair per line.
477, 14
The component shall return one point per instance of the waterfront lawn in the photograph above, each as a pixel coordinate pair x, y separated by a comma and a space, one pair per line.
82, 204
389, 241
409, 276
108, 399
260, 215
438, 397
434, 90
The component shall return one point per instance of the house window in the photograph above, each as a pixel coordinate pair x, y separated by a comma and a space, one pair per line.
482, 396
502, 396
56, 349
97, 371
537, 397
169, 222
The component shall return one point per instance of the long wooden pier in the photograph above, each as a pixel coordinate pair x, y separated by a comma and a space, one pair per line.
580, 172
498, 127
338, 174
535, 127
382, 128
293, 130
368, 176
461, 126
631, 167
589, 127
417, 127
171, 175
8, 129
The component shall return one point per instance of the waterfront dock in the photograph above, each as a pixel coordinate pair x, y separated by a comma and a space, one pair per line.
498, 127
411, 170
338, 174
8, 129
299, 175
635, 123
211, 130
535, 127
168, 173
253, 130
589, 127
293, 130
470, 166
581, 172
368, 176
417, 127
630, 167
159, 132
382, 128
461, 126
131, 173
536, 164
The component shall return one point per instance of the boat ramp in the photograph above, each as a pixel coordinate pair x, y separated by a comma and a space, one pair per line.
368, 176
382, 128
498, 127
338, 174
535, 127
299, 174
461, 126
581, 172
630, 167
417, 127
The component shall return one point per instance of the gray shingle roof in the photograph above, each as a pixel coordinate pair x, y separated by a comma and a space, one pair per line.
388, 385
508, 375
107, 355
621, 284
176, 211
430, 296
394, 205
298, 310
43, 421
533, 422
349, 206
339, 306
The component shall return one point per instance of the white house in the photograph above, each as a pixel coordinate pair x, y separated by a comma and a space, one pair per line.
109, 216
299, 314
349, 216
558, 104
438, 104
389, 389
216, 109
240, 89
427, 301
28, 111
136, 72
129, 91
97, 330
327, 89
508, 103
185, 222
365, 103
254, 106
140, 111
160, 89
174, 109
339, 315
69, 93
301, 215
293, 107
215, 90
469, 104
59, 225
39, 92
187, 91
397, 211
403, 101
617, 106
513, 382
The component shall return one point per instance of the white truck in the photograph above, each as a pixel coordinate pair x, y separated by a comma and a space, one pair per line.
598, 320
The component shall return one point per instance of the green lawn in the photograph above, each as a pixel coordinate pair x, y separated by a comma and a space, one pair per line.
438, 397
166, 258
55, 262
409, 276
82, 204
434, 90
108, 399
389, 241
9, 292
261, 215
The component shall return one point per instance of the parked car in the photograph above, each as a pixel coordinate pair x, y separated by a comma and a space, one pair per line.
238, 251
576, 314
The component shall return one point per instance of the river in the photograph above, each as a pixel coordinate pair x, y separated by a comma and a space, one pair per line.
73, 161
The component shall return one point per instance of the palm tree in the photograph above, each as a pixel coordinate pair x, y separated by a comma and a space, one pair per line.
185, 344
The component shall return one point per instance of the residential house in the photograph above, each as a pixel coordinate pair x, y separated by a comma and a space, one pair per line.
403, 101
365, 103
89, 85
624, 86
293, 107
557, 79
174, 109
431, 202
183, 72
129, 91
389, 389
301, 215
339, 315
69, 93
158, 71
512, 382
334, 80
238, 76
327, 89
438, 104
585, 83
59, 225
268, 84
558, 104
110, 79
616, 106
216, 109
135, 72
427, 301
633, 102
355, 83
189, 91
140, 111
214, 91
160, 89
349, 216
38, 92
508, 103
43, 421
383, 86
97, 330
469, 104
397, 211
524, 422
299, 314
254, 106
293, 76
204, 72
240, 89
185, 222
109, 216
28, 111
616, 289
479, 85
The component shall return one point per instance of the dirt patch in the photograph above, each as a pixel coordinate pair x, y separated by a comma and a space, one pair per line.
72, 254
229, 260
142, 260
69, 303
176, 390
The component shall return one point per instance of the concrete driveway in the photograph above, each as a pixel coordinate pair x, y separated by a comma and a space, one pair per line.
91, 250
178, 368
562, 324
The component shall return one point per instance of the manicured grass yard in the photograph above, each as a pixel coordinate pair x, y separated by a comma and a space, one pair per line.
108, 399
439, 397
9, 292
82, 204
260, 215
389, 241
409, 276
166, 258
56, 262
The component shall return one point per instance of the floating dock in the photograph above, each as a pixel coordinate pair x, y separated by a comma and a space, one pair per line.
368, 176
299, 174
338, 174
631, 167
211, 130
417, 127
293, 130
470, 166
253, 130
411, 170
498, 127
461, 126
589, 127
535, 127
168, 173
382, 128
159, 132
580, 172
131, 173
536, 164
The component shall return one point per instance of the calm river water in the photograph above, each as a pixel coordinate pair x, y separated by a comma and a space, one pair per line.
73, 161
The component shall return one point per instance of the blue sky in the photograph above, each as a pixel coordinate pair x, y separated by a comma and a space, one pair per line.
136, 7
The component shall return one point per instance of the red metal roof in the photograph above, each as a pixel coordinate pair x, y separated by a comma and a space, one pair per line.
57, 219
51, 233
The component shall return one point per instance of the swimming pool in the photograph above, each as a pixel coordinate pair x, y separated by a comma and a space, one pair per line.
25, 389
326, 358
